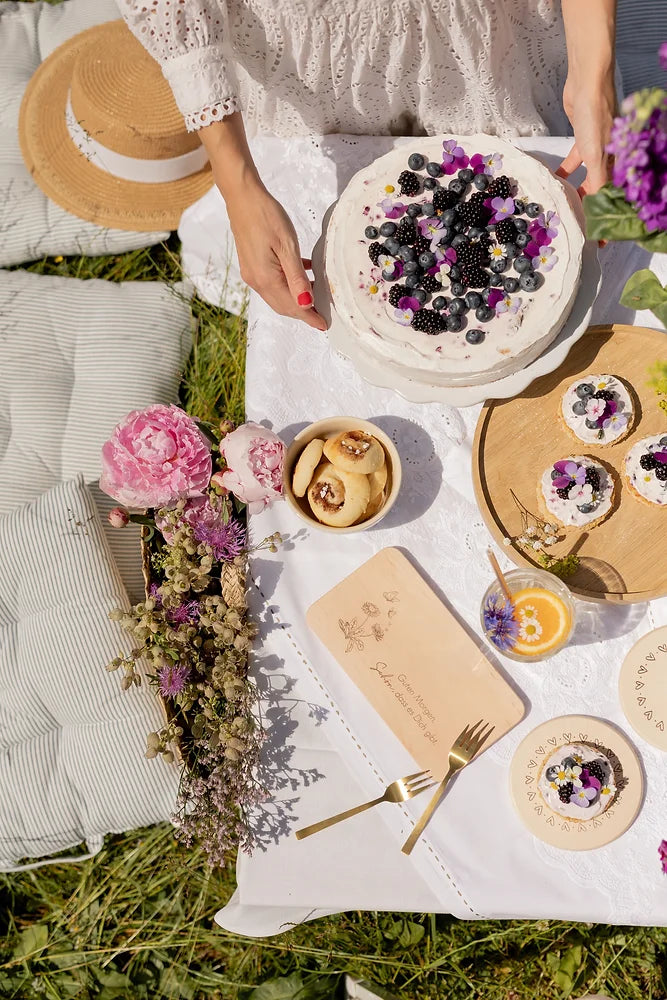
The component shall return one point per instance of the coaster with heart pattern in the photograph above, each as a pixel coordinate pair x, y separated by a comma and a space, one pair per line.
642, 687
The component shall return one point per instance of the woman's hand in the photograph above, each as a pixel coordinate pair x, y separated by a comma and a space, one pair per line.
269, 255
590, 109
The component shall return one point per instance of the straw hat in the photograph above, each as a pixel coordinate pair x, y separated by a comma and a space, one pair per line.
102, 136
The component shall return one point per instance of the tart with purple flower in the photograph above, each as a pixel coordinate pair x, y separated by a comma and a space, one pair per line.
598, 409
578, 491
645, 470
577, 782
457, 262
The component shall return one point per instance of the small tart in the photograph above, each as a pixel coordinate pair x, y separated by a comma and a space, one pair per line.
589, 488
645, 466
598, 409
572, 790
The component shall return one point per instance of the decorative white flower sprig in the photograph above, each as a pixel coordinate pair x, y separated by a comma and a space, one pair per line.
537, 536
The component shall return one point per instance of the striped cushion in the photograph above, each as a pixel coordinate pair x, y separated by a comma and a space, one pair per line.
75, 357
71, 741
641, 27
31, 225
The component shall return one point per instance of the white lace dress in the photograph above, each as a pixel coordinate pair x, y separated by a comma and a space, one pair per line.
296, 67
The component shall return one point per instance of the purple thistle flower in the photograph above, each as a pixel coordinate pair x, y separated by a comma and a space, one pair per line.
185, 614
172, 680
499, 622
226, 540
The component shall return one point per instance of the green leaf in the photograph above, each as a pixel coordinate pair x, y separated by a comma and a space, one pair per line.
610, 217
564, 968
405, 932
644, 291
286, 988
654, 242
32, 940
176, 983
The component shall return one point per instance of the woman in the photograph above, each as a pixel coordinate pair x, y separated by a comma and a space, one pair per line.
373, 67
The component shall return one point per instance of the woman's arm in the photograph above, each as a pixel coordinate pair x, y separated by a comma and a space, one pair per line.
589, 96
266, 242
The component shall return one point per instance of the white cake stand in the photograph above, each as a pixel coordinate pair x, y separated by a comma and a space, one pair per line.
375, 371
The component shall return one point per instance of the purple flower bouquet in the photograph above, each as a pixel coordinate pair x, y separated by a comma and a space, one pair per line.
190, 485
634, 206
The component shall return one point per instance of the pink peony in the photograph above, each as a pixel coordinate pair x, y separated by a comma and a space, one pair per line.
254, 473
118, 517
155, 457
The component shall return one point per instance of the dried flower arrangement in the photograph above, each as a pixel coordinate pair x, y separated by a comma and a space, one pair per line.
192, 633
536, 536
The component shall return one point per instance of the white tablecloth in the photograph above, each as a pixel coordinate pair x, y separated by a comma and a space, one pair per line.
327, 749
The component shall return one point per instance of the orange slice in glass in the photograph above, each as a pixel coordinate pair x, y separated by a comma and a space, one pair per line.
544, 620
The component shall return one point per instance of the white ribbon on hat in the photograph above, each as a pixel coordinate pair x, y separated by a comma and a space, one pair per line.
130, 168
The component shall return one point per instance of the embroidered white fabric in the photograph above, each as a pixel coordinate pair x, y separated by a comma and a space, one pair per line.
486, 862
319, 66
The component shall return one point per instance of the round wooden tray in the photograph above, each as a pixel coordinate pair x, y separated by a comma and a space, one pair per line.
516, 439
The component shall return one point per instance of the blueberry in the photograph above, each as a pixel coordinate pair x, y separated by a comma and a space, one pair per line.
434, 169
446, 234
568, 762
466, 175
579, 407
388, 228
495, 280
475, 336
511, 250
459, 239
439, 302
416, 161
390, 275
410, 267
523, 264
430, 183
457, 288
455, 272
520, 224
406, 253
530, 281
522, 240
510, 285
663, 442
533, 210
412, 281
457, 186
427, 209
585, 390
484, 313
414, 210
392, 246
485, 294
458, 226
449, 217
586, 508
481, 181
371, 233
519, 206
420, 295
473, 299
551, 772
457, 307
591, 424
498, 265
555, 474
454, 323
475, 232
426, 259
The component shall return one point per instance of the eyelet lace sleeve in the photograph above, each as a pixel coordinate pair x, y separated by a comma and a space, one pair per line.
186, 38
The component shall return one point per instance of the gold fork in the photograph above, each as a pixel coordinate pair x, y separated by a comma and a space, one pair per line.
399, 791
466, 746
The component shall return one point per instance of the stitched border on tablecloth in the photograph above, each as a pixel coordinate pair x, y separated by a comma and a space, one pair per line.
354, 739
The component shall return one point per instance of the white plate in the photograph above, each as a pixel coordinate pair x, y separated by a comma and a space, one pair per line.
374, 371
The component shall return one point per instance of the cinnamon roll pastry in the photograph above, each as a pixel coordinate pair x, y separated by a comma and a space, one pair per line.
355, 451
338, 498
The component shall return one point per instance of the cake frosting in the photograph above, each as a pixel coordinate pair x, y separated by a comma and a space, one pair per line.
507, 236
646, 469
577, 782
578, 491
598, 409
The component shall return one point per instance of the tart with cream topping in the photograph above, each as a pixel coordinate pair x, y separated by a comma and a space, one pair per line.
577, 782
645, 470
578, 491
598, 409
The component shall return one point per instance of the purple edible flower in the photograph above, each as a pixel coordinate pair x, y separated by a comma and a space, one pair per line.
404, 316
660, 456
453, 157
589, 781
507, 304
570, 472
544, 260
662, 854
549, 222
429, 225
499, 622
409, 302
172, 680
392, 209
583, 796
495, 296
503, 208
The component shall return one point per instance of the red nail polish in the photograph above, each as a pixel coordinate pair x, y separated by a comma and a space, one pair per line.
305, 299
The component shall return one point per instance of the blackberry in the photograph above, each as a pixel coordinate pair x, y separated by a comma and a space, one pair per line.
427, 321
595, 769
444, 199
409, 183
505, 231
430, 283
499, 187
603, 394
396, 293
422, 245
474, 212
564, 492
648, 461
374, 251
472, 253
406, 232
661, 472
475, 277
593, 478
565, 791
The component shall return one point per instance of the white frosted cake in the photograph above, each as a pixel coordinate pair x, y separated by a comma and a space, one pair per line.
455, 262
577, 782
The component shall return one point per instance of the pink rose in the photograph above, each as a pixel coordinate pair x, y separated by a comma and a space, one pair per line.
155, 457
254, 472
118, 517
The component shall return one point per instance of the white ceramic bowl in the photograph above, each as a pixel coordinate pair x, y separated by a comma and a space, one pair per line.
329, 428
